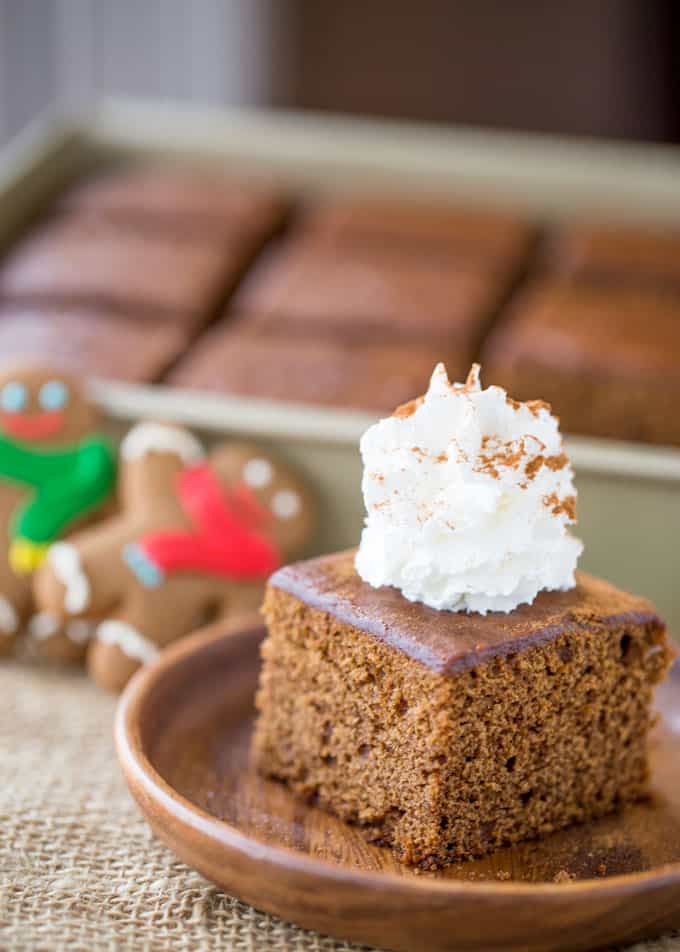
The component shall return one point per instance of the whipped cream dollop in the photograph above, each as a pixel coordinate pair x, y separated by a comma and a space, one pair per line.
469, 495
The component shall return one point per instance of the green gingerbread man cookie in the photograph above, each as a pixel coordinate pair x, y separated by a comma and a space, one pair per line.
55, 469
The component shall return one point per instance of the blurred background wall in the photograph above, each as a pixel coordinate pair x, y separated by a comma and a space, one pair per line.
209, 51
587, 67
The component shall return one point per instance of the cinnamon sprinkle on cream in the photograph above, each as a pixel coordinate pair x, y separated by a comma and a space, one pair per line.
406, 410
553, 463
495, 453
558, 507
535, 406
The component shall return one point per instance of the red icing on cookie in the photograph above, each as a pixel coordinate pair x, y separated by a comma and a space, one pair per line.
227, 539
33, 426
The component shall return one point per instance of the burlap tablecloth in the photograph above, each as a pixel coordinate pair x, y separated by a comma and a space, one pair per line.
79, 869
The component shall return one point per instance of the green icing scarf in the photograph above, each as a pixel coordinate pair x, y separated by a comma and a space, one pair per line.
67, 483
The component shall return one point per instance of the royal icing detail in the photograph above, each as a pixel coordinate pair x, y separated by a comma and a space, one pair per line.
65, 482
43, 625
24, 557
53, 395
258, 473
130, 641
33, 427
79, 631
227, 538
9, 620
286, 504
13, 397
149, 574
158, 438
64, 559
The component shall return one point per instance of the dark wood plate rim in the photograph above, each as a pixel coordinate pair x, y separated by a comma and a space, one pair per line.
140, 775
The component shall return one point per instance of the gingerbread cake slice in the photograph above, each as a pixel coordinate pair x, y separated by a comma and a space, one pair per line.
81, 261
373, 295
589, 351
178, 199
445, 734
92, 340
616, 255
427, 227
233, 359
455, 685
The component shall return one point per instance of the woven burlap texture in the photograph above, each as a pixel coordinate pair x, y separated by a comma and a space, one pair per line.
79, 869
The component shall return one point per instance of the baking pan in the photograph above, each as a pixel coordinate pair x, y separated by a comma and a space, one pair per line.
629, 494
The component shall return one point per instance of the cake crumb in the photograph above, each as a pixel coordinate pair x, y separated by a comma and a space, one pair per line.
563, 876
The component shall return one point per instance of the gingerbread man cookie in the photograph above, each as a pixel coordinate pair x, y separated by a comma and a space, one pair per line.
196, 538
55, 469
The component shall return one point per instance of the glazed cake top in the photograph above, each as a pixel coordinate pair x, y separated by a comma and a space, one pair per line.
449, 642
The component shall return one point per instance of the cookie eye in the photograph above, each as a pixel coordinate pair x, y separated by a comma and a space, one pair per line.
286, 504
13, 397
258, 473
53, 395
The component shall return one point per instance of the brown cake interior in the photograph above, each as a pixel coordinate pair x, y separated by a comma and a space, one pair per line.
448, 762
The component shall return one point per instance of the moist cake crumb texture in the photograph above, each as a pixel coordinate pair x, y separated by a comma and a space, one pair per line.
444, 761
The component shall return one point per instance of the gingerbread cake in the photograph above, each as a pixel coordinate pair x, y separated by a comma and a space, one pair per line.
231, 359
430, 227
91, 340
608, 358
373, 295
616, 255
446, 735
179, 199
455, 684
90, 261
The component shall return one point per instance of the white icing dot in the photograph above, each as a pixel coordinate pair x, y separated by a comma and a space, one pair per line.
258, 472
79, 631
286, 504
64, 559
43, 625
9, 621
157, 438
130, 641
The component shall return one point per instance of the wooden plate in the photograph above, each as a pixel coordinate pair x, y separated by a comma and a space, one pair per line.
183, 729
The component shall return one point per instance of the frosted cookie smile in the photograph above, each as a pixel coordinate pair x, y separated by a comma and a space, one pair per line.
20, 421
33, 426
